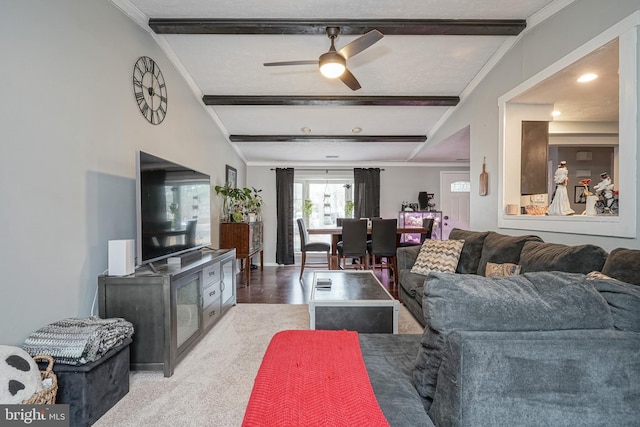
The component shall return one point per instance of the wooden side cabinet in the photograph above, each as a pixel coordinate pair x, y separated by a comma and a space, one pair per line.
171, 307
247, 239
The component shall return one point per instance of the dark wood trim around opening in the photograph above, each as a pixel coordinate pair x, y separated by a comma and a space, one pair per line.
393, 101
470, 27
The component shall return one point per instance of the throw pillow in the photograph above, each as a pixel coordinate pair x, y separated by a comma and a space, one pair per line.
471, 251
539, 256
596, 275
438, 255
622, 264
501, 270
501, 248
20, 375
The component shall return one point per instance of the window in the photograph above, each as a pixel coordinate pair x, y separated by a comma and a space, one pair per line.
513, 112
320, 197
461, 187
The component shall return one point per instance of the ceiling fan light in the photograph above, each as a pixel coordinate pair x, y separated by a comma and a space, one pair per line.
332, 65
332, 69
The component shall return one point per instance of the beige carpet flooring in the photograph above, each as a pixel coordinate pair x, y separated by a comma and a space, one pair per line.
211, 386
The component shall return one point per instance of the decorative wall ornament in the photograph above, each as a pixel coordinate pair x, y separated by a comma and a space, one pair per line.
484, 179
150, 90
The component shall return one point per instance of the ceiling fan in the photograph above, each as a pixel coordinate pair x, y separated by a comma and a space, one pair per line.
333, 64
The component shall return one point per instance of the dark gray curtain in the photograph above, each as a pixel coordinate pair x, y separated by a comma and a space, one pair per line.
284, 211
366, 192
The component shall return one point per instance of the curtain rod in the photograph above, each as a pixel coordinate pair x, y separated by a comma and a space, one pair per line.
324, 169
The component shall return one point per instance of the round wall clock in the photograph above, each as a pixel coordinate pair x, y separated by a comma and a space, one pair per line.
150, 90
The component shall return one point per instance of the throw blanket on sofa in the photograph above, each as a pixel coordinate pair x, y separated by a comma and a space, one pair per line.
78, 341
313, 378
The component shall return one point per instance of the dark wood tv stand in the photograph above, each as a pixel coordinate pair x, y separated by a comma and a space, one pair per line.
171, 307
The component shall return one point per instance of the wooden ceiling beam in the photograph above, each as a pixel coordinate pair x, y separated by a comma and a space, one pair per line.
393, 101
390, 27
332, 138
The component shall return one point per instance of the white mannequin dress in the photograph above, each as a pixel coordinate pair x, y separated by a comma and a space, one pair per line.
560, 204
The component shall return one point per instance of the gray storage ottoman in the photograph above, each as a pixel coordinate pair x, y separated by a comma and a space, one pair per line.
92, 389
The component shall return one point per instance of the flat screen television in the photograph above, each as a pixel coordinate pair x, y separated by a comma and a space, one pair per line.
172, 209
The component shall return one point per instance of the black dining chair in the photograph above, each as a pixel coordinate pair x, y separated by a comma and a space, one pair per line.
354, 242
307, 246
384, 244
428, 224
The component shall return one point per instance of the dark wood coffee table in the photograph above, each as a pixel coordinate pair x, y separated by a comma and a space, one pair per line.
356, 301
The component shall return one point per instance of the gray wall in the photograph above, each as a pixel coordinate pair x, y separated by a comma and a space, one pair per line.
542, 46
397, 184
69, 130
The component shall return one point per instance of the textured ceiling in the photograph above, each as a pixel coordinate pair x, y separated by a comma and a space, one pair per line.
397, 65
595, 101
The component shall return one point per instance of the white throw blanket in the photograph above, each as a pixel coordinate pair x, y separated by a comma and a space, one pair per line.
78, 341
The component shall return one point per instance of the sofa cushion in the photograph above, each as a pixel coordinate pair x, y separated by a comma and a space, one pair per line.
412, 283
427, 363
550, 378
438, 255
500, 248
622, 264
501, 270
529, 302
413, 305
471, 251
539, 256
389, 359
623, 299
407, 256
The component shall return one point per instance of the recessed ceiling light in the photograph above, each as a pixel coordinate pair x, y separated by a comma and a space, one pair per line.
305, 130
587, 77
356, 130
555, 113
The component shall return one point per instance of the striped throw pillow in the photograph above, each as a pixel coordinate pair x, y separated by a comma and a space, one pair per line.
438, 255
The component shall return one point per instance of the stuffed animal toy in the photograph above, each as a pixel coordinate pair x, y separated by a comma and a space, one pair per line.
19, 375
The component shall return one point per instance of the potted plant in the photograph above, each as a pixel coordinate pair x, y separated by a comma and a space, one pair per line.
231, 197
238, 202
348, 209
307, 209
254, 203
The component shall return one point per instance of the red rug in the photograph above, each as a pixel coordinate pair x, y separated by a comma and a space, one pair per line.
313, 378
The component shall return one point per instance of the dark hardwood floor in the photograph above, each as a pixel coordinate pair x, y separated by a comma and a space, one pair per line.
281, 285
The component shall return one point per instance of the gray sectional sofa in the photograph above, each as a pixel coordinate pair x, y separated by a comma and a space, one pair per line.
529, 251
551, 346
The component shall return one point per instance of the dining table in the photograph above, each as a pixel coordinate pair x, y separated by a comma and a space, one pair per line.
336, 234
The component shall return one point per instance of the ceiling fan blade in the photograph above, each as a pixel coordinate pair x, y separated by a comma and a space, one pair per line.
350, 80
303, 62
360, 44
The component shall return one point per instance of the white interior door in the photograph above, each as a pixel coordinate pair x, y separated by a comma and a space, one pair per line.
455, 190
